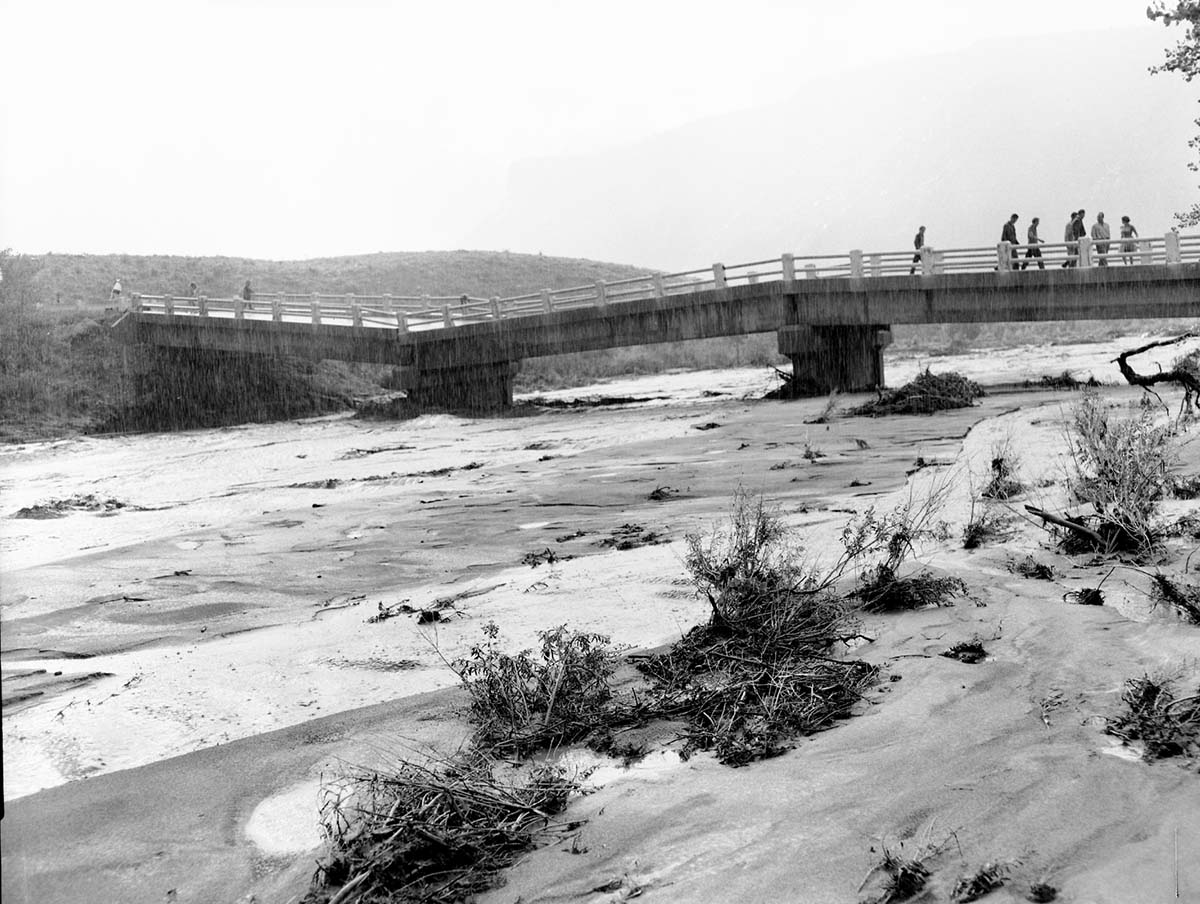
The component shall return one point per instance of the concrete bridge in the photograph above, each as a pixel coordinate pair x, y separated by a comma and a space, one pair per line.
832, 313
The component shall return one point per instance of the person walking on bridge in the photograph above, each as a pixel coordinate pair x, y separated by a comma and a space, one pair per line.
1009, 234
1100, 235
247, 292
1033, 250
918, 243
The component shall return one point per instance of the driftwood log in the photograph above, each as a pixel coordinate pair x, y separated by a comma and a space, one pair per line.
1082, 529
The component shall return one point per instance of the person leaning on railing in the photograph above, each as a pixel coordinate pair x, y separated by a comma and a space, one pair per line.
1033, 250
918, 244
1069, 238
1009, 234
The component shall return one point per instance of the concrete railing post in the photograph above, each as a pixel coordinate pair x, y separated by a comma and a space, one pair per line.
1003, 256
447, 317
495, 303
926, 261
1147, 253
350, 305
168, 305
810, 271
1171, 245
718, 276
426, 302
789, 267
202, 306
856, 262
876, 264
135, 304
1085, 252
547, 302
659, 291
316, 309
752, 278
239, 307
401, 321
277, 308
355, 314
601, 294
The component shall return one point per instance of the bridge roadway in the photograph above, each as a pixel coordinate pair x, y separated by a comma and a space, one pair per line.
833, 322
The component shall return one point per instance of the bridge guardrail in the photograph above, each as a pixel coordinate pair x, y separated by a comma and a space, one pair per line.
425, 312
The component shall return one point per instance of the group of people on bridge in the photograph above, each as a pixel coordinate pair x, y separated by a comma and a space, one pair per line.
1075, 230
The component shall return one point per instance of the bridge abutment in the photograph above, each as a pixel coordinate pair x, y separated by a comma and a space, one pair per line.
827, 357
477, 388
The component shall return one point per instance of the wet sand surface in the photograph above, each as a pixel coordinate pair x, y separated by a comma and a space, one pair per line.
215, 656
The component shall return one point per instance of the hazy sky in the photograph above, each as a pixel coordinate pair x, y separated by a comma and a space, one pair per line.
300, 129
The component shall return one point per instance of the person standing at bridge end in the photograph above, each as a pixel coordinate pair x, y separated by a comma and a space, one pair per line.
1033, 250
918, 244
115, 294
1009, 234
1100, 235
247, 292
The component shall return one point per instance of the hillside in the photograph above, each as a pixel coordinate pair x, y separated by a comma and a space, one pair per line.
87, 278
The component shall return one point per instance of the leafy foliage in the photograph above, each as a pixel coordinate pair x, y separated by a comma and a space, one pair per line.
523, 702
1184, 59
1120, 466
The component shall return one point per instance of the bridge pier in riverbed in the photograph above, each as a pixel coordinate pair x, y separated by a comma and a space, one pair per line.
478, 387
836, 357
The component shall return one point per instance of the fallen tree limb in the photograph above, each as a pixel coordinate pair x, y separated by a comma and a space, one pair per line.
1186, 379
1081, 529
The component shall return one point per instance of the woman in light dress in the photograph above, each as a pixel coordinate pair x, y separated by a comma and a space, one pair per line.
1128, 231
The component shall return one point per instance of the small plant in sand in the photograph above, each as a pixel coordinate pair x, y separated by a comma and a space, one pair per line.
1120, 467
984, 525
1002, 482
983, 881
899, 875
895, 536
1166, 725
1029, 567
437, 832
523, 702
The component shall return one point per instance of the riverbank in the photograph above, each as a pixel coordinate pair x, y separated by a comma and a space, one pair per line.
232, 608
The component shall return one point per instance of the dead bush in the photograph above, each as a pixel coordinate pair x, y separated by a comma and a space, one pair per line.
432, 833
1183, 599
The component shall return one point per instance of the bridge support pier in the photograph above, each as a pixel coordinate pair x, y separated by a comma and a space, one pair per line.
845, 358
479, 387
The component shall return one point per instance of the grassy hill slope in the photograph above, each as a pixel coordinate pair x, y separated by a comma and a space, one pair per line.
86, 278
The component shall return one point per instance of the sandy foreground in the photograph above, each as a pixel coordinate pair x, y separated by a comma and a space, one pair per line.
179, 676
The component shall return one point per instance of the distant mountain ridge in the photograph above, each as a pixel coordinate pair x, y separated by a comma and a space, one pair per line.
70, 278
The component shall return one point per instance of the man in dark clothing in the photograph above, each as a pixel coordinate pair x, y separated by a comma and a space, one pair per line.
1071, 236
918, 243
1009, 234
1033, 250
247, 292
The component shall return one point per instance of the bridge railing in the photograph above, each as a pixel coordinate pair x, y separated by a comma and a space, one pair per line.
426, 312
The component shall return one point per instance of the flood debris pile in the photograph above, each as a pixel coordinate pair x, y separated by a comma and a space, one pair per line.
927, 393
87, 502
436, 832
1166, 725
